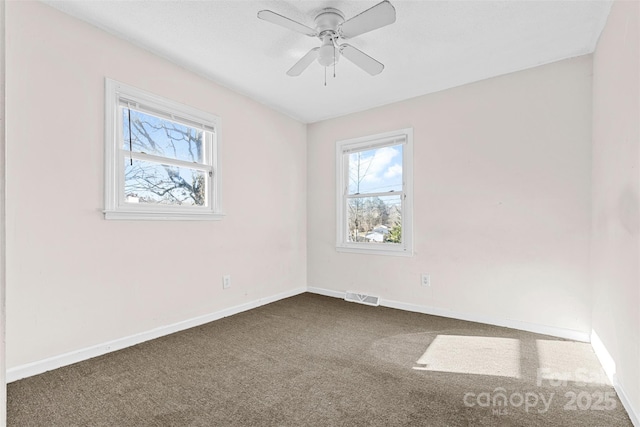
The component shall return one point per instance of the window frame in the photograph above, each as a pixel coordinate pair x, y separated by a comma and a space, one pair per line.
346, 147
115, 204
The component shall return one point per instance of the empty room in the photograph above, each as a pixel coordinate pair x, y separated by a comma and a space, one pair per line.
320, 213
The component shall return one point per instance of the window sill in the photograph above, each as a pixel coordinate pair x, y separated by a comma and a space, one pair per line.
162, 216
375, 251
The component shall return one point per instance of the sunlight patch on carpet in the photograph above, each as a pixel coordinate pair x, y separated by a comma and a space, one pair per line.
563, 362
472, 355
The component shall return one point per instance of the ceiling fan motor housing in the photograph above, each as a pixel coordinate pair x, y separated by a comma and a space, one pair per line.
328, 20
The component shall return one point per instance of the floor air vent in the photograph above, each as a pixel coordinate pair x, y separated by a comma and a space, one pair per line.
362, 298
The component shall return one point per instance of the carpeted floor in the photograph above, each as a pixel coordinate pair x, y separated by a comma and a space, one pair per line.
311, 360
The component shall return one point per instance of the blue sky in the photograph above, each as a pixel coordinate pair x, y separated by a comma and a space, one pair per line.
379, 170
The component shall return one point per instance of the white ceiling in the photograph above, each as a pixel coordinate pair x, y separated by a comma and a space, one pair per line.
433, 45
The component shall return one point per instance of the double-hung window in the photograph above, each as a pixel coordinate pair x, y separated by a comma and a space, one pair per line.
161, 159
374, 194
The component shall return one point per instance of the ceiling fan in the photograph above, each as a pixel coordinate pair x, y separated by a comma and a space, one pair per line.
330, 26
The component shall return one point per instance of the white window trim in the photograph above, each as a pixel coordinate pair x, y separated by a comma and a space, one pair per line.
342, 182
115, 207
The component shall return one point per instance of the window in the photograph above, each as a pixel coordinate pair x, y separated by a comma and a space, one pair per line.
374, 197
161, 159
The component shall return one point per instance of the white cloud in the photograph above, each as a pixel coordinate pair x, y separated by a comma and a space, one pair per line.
393, 171
379, 164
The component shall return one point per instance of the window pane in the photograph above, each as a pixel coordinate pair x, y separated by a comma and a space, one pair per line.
376, 171
375, 219
155, 183
160, 137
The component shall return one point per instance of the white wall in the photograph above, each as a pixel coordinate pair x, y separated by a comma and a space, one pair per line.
75, 280
502, 199
616, 195
3, 388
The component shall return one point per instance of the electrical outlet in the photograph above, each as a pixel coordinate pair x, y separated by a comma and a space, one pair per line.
425, 280
226, 281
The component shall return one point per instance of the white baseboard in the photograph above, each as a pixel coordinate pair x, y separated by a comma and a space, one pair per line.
471, 317
41, 366
326, 292
634, 413
609, 365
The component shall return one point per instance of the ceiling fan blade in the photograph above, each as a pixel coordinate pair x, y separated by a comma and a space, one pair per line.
283, 21
378, 16
303, 62
361, 59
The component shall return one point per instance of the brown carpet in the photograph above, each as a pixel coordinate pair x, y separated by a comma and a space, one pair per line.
311, 360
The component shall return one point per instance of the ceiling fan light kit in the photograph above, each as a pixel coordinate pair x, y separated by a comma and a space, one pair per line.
327, 53
330, 26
